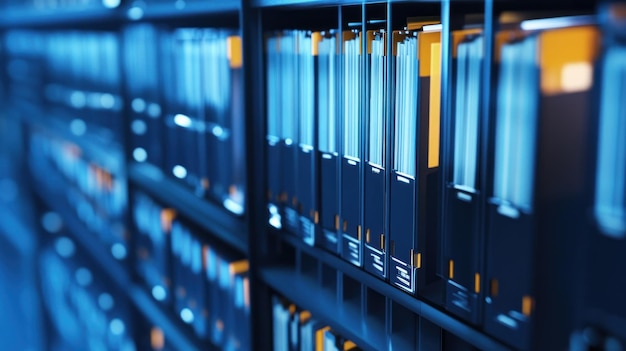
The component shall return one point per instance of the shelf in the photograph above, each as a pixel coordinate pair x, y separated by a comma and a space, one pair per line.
64, 18
105, 153
318, 3
177, 335
141, 11
306, 294
436, 316
212, 217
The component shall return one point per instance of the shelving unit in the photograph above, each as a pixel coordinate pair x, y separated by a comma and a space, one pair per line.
362, 307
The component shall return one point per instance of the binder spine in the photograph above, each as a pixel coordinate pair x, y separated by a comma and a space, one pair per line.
405, 260
351, 245
329, 201
374, 221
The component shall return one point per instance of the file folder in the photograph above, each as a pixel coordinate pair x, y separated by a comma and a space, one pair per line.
462, 233
375, 174
351, 163
538, 178
414, 178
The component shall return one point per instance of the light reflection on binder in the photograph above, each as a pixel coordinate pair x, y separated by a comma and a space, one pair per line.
378, 96
610, 202
467, 113
352, 94
406, 106
306, 91
327, 92
516, 124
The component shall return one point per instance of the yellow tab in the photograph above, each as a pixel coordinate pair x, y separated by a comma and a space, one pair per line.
425, 41
495, 287
348, 345
167, 216
336, 222
434, 121
157, 339
477, 283
239, 267
319, 338
382, 241
566, 59
358, 232
527, 305
316, 217
205, 257
235, 55
246, 292
292, 309
414, 23
370, 39
345, 225
367, 236
451, 269
316, 37
205, 183
305, 316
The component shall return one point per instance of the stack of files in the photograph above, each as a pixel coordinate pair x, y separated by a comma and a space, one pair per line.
204, 119
97, 196
141, 52
535, 202
211, 288
462, 230
414, 191
297, 330
375, 175
153, 223
83, 308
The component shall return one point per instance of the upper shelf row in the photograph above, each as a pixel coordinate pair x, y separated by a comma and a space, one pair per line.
52, 13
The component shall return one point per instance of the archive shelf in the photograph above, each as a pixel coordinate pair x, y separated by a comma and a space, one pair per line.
176, 332
355, 303
335, 264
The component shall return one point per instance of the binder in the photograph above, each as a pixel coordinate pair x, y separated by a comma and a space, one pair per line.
153, 224
462, 230
308, 48
185, 120
328, 140
224, 126
414, 178
212, 296
351, 162
537, 186
282, 114
605, 231
141, 50
375, 174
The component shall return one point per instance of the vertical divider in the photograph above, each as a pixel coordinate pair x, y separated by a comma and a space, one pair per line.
255, 131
